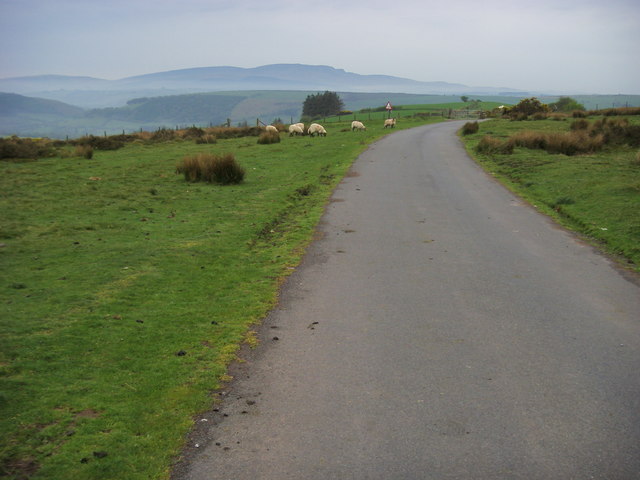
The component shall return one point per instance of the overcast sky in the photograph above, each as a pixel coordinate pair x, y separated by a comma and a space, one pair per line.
565, 46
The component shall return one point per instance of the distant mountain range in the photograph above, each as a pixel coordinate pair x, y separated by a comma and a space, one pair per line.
91, 92
58, 106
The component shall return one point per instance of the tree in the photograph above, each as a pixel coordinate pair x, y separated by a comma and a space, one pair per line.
566, 104
322, 104
464, 98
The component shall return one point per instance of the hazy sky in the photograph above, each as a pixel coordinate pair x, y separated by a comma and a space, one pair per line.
567, 46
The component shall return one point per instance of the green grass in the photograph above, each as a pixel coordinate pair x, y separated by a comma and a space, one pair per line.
597, 195
406, 112
125, 291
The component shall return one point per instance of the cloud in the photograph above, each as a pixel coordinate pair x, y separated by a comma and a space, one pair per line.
564, 44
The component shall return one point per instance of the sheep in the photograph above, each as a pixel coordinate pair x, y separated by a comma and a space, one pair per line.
318, 129
355, 125
295, 130
271, 128
390, 122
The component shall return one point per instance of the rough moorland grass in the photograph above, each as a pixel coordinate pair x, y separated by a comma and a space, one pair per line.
595, 193
125, 292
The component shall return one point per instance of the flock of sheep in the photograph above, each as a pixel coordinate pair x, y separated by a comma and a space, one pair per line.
315, 129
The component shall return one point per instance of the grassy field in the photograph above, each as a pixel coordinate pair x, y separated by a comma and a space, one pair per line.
442, 110
595, 193
125, 292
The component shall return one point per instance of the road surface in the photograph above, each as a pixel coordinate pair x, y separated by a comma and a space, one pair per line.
438, 328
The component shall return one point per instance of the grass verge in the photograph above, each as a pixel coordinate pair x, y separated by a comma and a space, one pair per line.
596, 194
125, 292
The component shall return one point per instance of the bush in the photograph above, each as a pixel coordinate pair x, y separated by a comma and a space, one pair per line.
193, 133
163, 135
101, 143
25, 148
210, 168
529, 106
267, 138
491, 145
470, 128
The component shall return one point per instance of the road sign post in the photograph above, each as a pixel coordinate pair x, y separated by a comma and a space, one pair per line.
389, 108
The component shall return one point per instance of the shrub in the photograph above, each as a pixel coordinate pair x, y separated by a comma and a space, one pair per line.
210, 168
25, 148
163, 135
491, 145
101, 143
193, 132
267, 138
529, 106
470, 128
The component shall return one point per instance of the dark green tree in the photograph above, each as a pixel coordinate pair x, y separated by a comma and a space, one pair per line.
566, 104
322, 104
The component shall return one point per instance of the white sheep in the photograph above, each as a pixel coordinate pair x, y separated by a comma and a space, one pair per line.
271, 128
316, 128
355, 125
390, 122
295, 130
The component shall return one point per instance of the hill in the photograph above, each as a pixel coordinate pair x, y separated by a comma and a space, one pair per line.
91, 92
38, 117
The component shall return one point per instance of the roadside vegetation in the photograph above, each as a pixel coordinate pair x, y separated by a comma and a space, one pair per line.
128, 281
582, 168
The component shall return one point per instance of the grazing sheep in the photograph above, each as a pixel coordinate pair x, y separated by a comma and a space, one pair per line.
355, 125
295, 130
390, 122
316, 128
271, 128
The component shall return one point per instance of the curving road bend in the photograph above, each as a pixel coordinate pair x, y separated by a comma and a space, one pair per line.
438, 328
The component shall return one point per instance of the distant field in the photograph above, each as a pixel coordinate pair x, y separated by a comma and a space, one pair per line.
216, 108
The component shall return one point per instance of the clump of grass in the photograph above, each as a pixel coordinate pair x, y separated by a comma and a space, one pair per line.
617, 131
580, 124
540, 116
207, 138
492, 145
470, 128
267, 138
567, 143
206, 167
84, 151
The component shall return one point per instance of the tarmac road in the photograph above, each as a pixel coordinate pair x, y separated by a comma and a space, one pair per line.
438, 328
